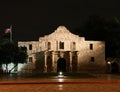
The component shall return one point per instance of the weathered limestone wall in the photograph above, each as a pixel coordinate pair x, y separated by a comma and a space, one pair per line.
77, 52
98, 52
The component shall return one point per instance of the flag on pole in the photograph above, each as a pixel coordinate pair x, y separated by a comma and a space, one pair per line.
8, 33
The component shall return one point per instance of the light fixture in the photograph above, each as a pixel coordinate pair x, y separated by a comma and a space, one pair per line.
60, 75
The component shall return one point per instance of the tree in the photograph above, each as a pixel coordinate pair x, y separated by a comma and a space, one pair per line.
105, 29
20, 56
11, 53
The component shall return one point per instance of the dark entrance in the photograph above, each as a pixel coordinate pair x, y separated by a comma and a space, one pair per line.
114, 68
61, 65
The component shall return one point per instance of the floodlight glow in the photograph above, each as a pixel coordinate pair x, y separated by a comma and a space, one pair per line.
60, 87
109, 62
60, 73
60, 80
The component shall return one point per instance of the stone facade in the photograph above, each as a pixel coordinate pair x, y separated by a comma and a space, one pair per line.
79, 54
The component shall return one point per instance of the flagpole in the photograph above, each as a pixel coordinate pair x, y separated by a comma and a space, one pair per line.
10, 33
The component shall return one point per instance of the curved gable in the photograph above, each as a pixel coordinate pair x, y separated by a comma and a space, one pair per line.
61, 33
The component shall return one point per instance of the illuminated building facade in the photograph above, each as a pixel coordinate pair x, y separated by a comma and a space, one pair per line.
64, 51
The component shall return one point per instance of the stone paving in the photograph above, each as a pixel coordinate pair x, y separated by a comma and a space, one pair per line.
109, 84
61, 88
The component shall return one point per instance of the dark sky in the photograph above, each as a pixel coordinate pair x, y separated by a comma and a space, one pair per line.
34, 18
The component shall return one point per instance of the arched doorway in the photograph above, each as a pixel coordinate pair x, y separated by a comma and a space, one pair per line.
61, 65
114, 67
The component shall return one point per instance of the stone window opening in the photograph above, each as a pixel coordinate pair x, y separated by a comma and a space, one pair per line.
49, 46
92, 59
61, 45
73, 46
91, 46
30, 59
30, 46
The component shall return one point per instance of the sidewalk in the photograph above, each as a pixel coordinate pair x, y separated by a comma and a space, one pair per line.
99, 79
102, 83
56, 85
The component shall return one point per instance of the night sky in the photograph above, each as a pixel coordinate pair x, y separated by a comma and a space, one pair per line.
35, 18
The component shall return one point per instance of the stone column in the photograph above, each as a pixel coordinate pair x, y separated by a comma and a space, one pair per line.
78, 61
70, 61
45, 66
53, 61
56, 45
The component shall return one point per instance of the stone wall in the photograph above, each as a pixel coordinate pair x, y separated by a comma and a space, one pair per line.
80, 55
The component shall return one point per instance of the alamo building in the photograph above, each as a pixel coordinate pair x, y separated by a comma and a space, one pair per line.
64, 51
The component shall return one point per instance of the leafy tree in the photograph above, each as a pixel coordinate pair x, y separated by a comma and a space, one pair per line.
11, 53
105, 29
20, 56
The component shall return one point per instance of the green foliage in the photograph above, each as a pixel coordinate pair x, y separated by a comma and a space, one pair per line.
21, 55
11, 53
103, 29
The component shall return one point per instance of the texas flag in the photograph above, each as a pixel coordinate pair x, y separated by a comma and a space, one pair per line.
8, 30
8, 33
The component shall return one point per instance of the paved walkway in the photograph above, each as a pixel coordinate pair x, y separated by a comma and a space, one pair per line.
100, 84
61, 88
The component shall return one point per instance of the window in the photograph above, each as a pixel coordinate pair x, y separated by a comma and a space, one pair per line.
61, 45
92, 59
30, 59
40, 48
49, 46
30, 46
91, 46
73, 46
